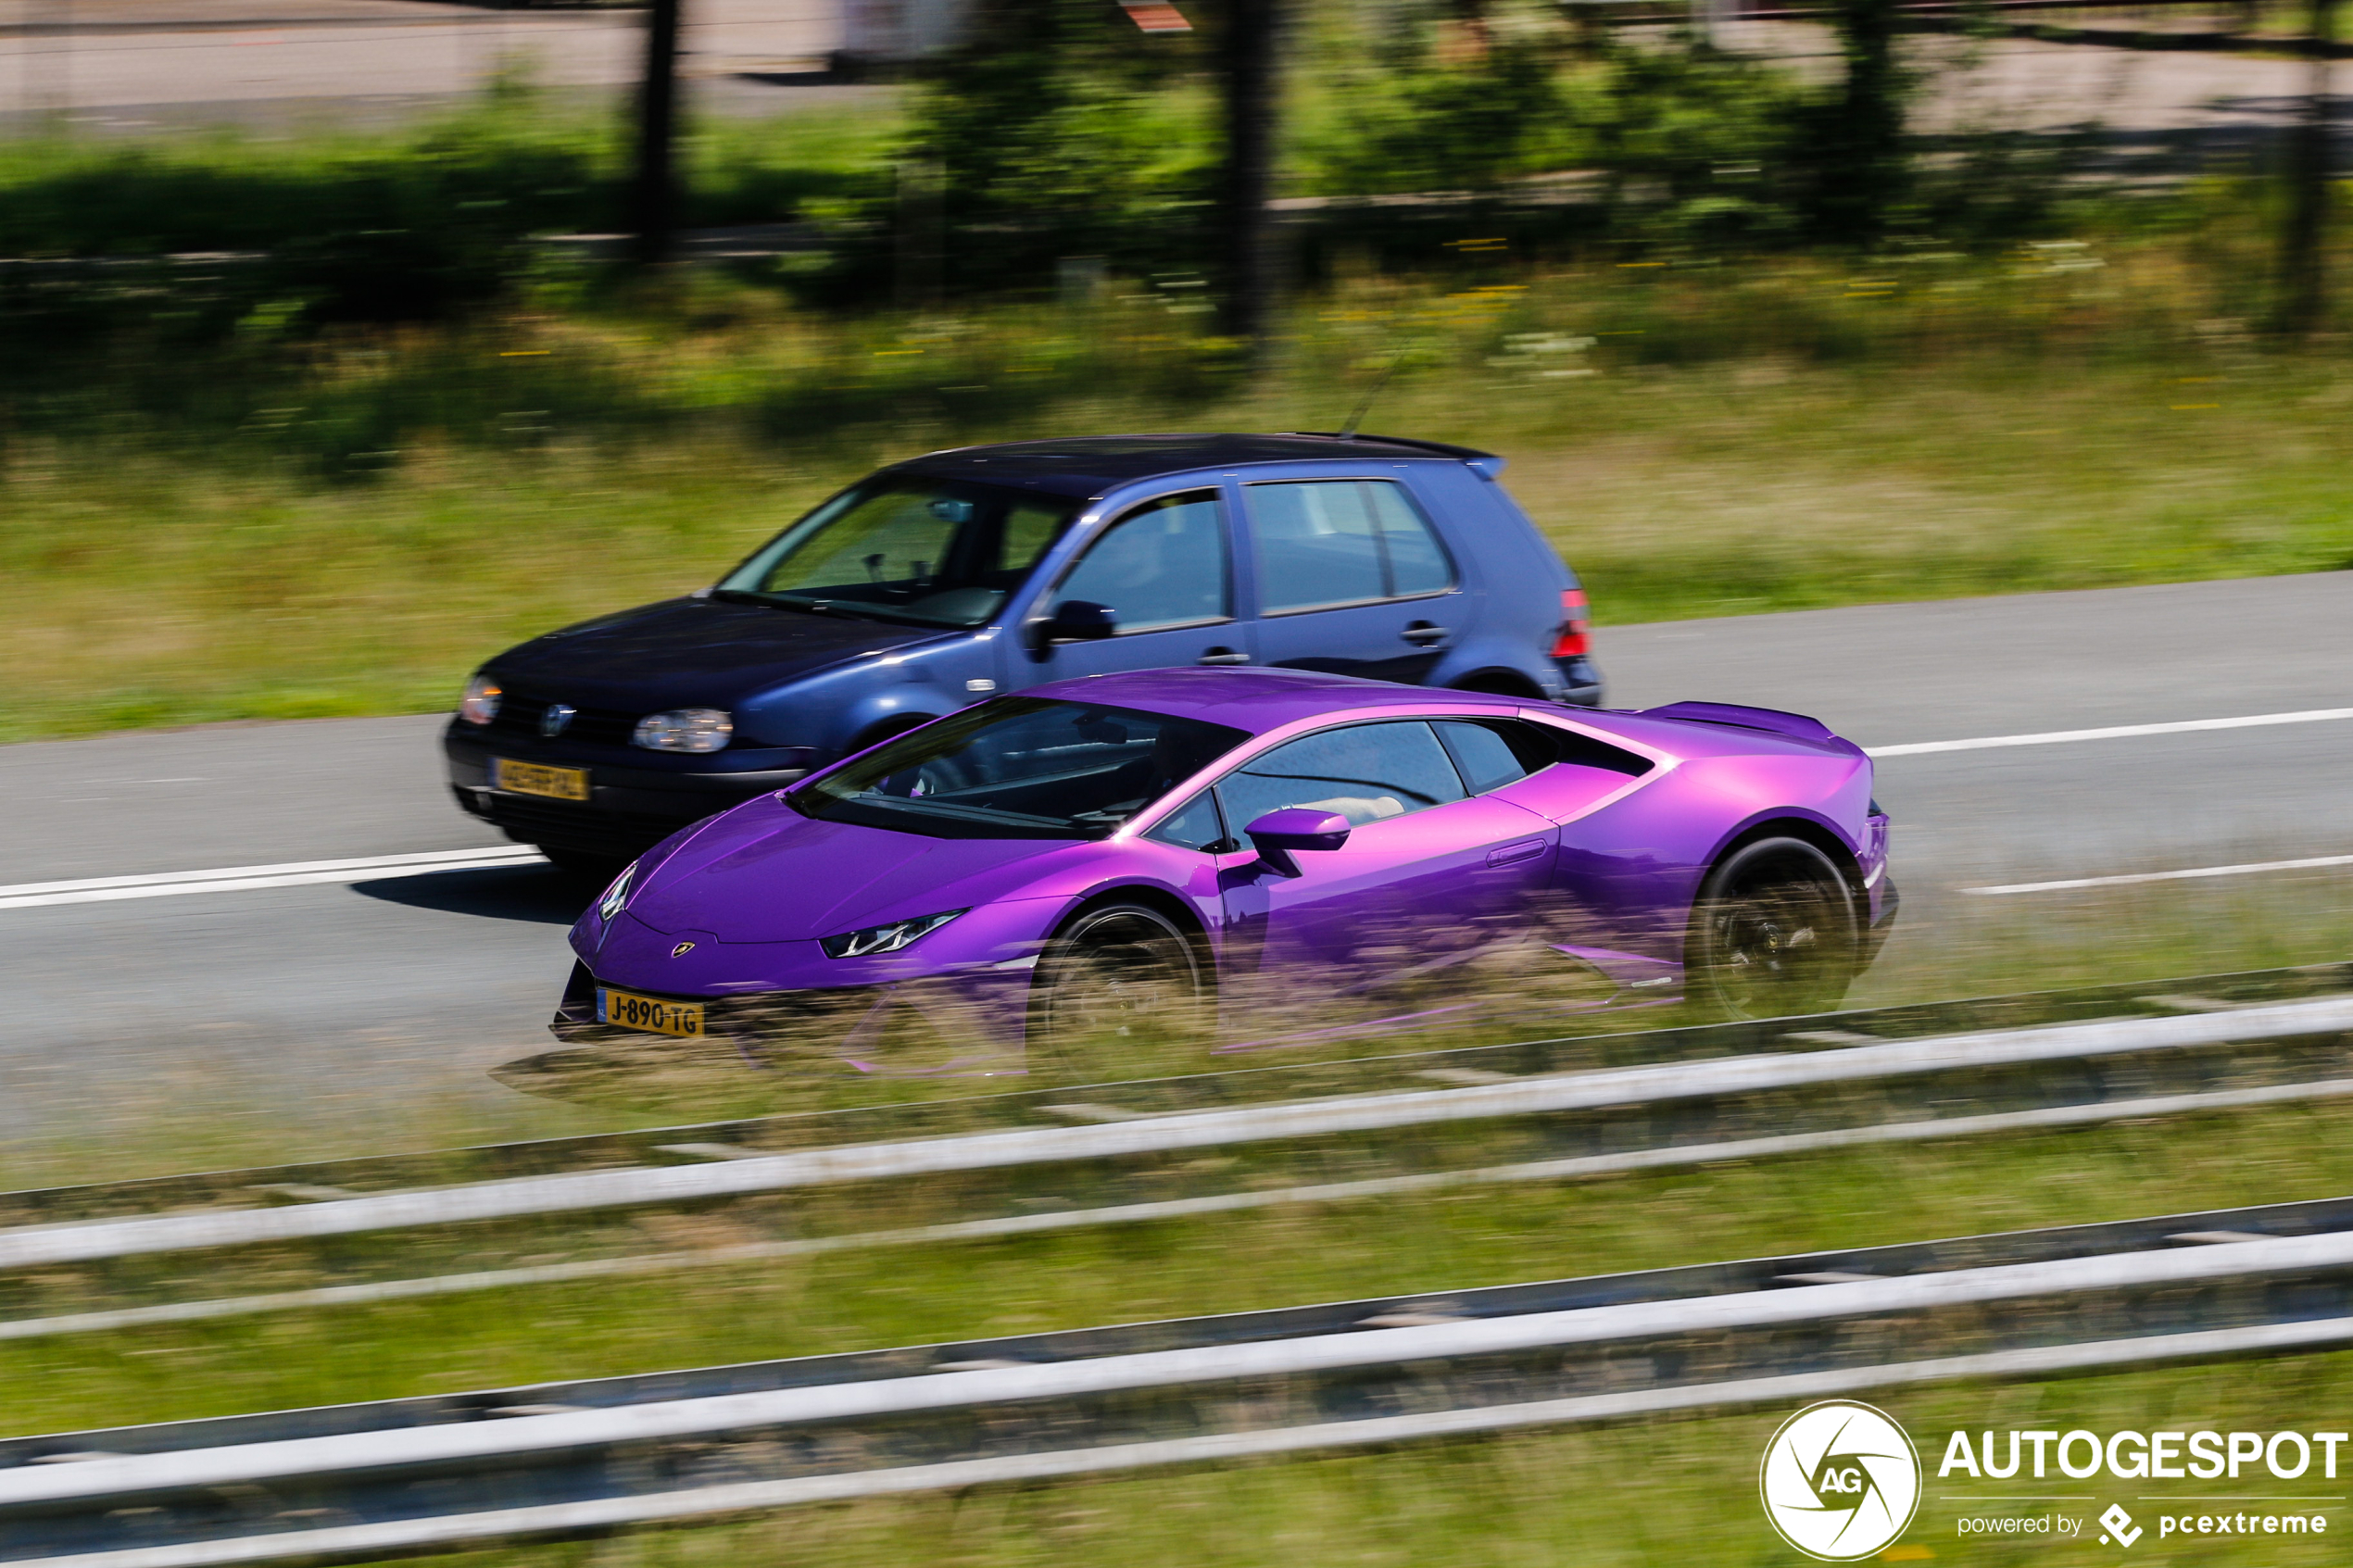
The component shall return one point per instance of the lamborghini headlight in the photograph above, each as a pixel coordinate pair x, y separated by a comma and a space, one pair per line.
616, 897
885, 938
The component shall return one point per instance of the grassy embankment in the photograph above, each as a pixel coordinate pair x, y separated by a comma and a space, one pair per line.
560, 467
342, 520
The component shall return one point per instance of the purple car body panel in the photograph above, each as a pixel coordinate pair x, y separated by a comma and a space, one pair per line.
736, 906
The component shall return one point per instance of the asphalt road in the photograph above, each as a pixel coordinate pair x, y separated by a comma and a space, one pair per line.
336, 1017
140, 64
143, 68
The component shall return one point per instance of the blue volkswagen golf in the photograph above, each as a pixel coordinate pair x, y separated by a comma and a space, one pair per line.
942, 581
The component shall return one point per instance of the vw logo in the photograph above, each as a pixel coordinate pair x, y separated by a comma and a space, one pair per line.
1840, 1481
558, 714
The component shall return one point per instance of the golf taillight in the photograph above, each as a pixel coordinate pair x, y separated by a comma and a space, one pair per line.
1575, 634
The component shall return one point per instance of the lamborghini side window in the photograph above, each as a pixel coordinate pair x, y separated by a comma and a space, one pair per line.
1495, 752
1364, 772
1193, 825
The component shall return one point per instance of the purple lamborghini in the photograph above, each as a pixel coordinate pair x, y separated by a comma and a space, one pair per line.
1223, 853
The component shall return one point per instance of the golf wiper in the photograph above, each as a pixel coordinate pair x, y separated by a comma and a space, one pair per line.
782, 601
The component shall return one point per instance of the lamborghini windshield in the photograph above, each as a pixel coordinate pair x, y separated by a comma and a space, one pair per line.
1019, 766
933, 552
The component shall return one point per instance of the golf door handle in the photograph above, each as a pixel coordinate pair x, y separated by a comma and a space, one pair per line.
1222, 655
1513, 854
1422, 635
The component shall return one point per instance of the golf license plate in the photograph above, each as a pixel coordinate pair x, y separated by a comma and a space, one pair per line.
534, 778
633, 1012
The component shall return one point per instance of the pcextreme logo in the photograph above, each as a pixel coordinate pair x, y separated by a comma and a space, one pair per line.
1840, 1481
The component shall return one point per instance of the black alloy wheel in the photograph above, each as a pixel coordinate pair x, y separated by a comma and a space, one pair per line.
1119, 992
1773, 934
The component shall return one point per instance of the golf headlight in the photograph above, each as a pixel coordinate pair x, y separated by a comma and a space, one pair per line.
685, 729
480, 704
616, 897
884, 938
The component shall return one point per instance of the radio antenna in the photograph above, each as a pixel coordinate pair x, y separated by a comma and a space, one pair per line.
1348, 431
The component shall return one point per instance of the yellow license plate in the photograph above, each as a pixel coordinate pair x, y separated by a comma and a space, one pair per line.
633, 1012
533, 778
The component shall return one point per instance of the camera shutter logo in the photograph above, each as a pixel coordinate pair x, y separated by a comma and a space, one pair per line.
1840, 1481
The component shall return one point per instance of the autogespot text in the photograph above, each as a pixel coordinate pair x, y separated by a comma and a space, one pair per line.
2157, 1456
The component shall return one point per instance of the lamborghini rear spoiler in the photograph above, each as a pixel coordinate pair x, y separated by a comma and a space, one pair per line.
1734, 716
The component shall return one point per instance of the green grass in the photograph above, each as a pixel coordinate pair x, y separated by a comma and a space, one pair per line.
1278, 1257
1236, 1262
511, 157
1653, 1493
350, 529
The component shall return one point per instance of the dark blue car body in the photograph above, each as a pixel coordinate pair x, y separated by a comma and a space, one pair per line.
1474, 599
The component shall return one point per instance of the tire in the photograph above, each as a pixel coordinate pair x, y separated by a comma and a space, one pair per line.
1120, 991
1773, 934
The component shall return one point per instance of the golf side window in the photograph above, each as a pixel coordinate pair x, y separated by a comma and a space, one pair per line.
1330, 542
1365, 773
1160, 566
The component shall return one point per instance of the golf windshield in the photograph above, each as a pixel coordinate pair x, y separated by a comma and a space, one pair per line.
931, 552
1019, 766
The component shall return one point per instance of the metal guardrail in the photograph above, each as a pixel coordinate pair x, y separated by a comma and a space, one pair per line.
583, 1192
355, 1482
1279, 1082
1572, 1168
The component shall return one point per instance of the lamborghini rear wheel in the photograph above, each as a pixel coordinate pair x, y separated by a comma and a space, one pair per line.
1773, 934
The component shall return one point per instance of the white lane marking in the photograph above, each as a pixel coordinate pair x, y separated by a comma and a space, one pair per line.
2308, 864
232, 879
2115, 731
237, 879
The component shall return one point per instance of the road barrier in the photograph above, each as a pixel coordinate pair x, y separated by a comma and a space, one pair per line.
579, 1270
1284, 1083
354, 1482
44, 1245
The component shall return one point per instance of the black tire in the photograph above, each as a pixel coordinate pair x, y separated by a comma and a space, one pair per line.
1120, 991
583, 865
1773, 934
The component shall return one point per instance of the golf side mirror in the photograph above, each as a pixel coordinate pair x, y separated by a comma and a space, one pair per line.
1077, 621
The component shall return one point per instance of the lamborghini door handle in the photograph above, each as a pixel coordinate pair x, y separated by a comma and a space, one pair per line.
1513, 854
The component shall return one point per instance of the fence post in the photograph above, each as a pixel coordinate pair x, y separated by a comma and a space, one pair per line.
1252, 35
655, 199
2303, 240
